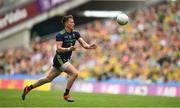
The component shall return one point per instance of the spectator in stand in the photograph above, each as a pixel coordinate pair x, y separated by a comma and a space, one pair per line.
146, 49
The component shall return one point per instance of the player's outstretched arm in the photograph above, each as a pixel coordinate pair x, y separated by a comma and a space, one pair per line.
85, 45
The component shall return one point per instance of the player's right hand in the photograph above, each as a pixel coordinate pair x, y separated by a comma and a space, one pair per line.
73, 48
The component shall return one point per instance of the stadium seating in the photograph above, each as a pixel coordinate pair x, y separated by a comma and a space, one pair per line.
146, 49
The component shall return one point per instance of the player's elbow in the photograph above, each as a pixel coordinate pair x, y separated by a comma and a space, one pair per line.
60, 49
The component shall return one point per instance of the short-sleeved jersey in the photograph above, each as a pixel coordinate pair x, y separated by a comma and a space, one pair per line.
68, 39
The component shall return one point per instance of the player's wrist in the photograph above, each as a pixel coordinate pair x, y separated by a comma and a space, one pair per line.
69, 49
88, 46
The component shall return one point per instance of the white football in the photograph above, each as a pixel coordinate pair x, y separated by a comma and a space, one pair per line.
122, 19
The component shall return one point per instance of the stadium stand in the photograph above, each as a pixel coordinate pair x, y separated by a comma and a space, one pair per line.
147, 49
8, 5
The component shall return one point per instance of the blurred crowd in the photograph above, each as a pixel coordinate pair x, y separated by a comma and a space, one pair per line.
146, 49
7, 3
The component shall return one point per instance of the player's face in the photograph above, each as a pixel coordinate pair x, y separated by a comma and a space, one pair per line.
70, 24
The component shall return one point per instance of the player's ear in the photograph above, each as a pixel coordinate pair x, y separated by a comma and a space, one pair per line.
65, 23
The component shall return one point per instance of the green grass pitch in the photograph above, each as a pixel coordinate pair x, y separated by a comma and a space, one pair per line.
12, 98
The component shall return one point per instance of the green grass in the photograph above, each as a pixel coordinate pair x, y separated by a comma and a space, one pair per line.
11, 98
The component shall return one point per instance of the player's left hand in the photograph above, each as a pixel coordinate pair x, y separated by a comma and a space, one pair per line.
92, 46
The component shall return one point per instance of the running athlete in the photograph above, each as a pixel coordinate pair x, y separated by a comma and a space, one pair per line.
65, 43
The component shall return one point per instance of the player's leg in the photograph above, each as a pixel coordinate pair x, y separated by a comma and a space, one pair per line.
52, 73
73, 74
50, 76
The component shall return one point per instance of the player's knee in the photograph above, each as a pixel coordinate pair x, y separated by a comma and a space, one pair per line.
75, 74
